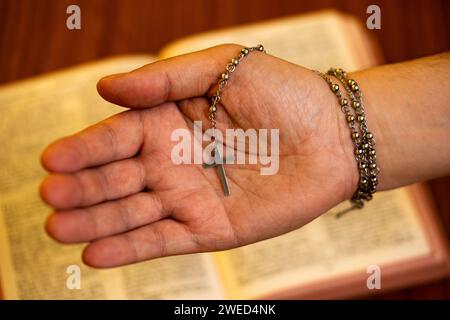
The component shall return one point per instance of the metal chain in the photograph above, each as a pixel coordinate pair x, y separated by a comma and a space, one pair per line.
363, 140
224, 78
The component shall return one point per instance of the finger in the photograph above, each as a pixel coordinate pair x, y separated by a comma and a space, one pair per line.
159, 239
116, 138
91, 186
106, 219
176, 78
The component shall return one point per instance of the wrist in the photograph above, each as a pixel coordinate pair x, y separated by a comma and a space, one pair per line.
407, 112
355, 137
375, 124
342, 143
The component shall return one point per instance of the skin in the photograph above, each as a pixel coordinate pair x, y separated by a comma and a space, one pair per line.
114, 185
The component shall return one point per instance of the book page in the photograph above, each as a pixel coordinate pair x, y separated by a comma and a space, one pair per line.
32, 266
317, 40
386, 231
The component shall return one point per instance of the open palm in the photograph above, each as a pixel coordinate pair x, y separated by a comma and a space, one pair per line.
114, 184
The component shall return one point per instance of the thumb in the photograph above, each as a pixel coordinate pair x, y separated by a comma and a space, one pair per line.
186, 76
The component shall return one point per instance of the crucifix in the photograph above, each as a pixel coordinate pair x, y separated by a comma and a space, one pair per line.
218, 162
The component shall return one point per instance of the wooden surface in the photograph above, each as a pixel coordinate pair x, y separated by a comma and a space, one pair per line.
34, 39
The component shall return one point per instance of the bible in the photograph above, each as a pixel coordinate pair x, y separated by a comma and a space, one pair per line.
396, 235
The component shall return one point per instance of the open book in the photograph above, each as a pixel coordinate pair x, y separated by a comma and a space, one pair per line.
327, 258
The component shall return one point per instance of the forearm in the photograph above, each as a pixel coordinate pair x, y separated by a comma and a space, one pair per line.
408, 110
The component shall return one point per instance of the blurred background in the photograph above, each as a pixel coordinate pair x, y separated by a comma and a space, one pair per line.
34, 40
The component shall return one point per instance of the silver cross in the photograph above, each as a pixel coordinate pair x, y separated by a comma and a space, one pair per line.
218, 162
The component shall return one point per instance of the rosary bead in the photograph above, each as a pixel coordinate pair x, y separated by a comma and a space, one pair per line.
334, 87
343, 102
358, 151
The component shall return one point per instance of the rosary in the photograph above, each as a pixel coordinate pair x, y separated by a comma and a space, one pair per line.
218, 161
363, 140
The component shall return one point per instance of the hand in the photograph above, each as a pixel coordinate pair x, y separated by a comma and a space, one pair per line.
115, 186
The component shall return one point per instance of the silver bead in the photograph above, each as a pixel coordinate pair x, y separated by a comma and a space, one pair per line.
235, 61
355, 135
212, 109
244, 51
355, 87
372, 152
350, 118
334, 87
365, 146
343, 102
369, 135
373, 166
225, 76
361, 118
356, 104
358, 151
261, 48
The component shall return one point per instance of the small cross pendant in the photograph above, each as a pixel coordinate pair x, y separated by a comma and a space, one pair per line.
218, 162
